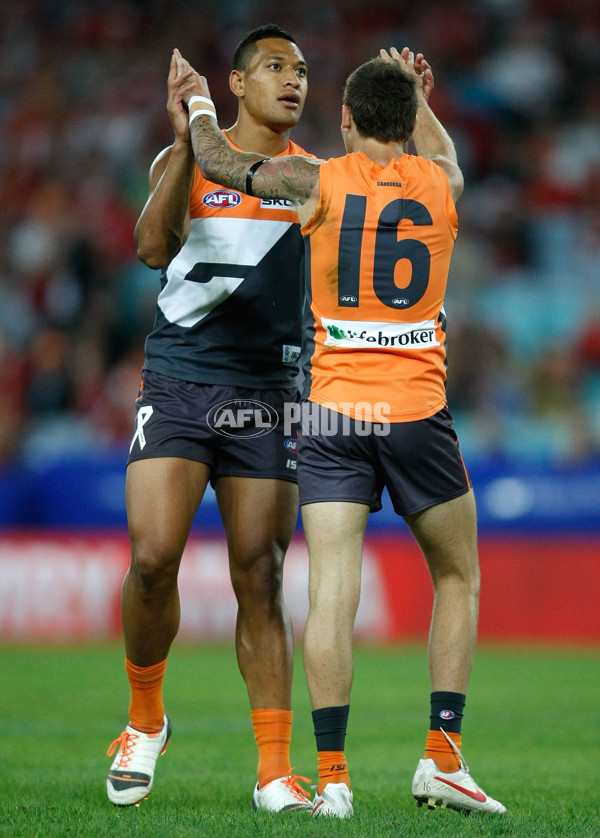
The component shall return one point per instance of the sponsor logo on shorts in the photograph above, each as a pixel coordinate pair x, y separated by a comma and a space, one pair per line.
290, 353
222, 199
365, 335
242, 418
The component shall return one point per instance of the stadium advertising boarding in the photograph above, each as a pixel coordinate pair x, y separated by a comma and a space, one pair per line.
65, 587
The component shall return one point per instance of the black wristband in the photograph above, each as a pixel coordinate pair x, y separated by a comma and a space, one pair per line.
250, 175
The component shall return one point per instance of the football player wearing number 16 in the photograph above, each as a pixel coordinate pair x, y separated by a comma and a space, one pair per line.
379, 228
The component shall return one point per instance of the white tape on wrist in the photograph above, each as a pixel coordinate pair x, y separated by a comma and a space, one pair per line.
204, 99
202, 112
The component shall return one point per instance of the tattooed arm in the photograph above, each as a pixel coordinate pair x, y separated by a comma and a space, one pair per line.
293, 177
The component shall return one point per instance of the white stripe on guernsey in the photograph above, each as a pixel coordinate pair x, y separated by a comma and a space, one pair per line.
237, 241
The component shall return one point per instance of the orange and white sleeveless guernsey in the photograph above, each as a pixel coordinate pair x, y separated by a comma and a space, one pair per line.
378, 250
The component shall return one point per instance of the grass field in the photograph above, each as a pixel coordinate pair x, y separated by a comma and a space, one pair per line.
531, 736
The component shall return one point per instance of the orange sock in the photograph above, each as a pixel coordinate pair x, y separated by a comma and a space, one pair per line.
146, 708
332, 769
440, 751
273, 734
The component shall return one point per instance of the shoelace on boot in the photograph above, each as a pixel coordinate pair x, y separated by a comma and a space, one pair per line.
127, 742
292, 784
455, 748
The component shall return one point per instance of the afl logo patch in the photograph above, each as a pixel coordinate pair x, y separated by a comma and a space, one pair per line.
242, 418
222, 199
291, 444
447, 714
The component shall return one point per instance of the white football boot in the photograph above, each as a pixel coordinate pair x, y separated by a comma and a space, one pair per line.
335, 802
455, 790
132, 772
282, 795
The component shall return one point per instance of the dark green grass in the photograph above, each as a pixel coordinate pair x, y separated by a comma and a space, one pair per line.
531, 736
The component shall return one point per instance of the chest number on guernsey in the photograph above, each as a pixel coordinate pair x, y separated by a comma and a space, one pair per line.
389, 250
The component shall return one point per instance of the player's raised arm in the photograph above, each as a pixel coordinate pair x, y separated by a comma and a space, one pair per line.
163, 225
431, 139
292, 177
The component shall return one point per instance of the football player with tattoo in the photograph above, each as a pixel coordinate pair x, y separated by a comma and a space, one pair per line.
221, 364
379, 227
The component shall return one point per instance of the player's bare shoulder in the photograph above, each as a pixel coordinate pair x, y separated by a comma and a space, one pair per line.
158, 166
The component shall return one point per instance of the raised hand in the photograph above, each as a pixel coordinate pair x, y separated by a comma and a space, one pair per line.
176, 108
190, 83
416, 65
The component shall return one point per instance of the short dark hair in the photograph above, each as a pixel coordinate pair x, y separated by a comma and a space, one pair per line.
247, 46
383, 99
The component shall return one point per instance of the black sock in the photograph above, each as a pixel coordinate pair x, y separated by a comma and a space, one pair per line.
447, 711
330, 725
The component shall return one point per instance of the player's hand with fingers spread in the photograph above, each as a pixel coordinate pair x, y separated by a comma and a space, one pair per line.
416, 65
424, 71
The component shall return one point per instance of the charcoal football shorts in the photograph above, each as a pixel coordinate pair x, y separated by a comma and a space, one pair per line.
339, 459
236, 431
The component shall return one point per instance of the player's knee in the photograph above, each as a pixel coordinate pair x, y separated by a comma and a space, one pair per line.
337, 602
153, 570
260, 580
462, 578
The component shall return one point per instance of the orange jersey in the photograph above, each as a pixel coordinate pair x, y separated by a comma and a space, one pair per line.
273, 209
378, 251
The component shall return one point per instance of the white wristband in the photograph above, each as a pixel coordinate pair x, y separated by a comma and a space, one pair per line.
199, 112
203, 99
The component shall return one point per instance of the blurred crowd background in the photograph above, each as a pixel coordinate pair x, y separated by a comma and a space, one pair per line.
82, 115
